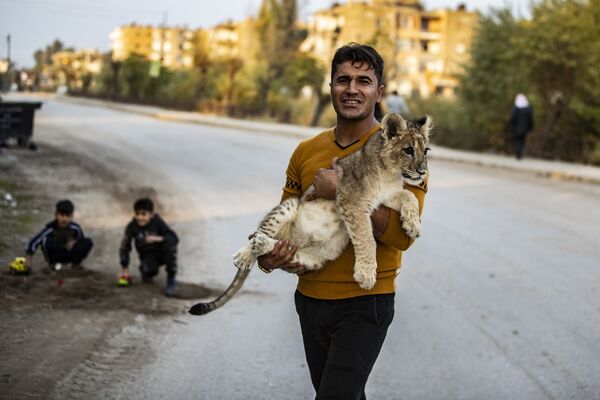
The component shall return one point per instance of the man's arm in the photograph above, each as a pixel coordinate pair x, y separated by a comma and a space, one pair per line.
325, 184
394, 236
283, 253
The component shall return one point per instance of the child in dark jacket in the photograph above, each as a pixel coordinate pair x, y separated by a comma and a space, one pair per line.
62, 240
155, 242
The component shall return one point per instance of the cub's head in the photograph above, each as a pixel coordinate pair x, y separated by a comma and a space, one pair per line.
406, 146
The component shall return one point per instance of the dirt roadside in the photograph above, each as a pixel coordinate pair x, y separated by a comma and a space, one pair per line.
64, 341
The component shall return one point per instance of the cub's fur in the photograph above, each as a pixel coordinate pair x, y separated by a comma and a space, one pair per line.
321, 228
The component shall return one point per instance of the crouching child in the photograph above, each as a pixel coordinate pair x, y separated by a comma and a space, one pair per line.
155, 242
62, 240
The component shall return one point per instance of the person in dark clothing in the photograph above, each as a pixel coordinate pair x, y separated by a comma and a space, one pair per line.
62, 240
155, 242
520, 123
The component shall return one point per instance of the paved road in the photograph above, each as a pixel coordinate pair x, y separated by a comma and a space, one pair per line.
500, 298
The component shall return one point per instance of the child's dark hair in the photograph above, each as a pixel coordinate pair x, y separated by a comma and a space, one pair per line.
143, 204
65, 207
358, 54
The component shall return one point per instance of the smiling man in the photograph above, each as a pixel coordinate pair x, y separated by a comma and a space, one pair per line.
344, 326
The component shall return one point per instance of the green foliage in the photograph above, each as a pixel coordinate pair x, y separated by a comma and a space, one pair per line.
554, 59
304, 70
134, 78
498, 72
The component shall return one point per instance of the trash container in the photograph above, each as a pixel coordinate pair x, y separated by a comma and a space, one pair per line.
16, 121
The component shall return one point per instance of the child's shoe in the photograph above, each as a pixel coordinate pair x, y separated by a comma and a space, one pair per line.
124, 280
170, 289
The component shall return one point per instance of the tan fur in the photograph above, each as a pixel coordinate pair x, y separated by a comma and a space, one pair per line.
321, 228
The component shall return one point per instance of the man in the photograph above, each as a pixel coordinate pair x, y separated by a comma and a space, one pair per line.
396, 103
344, 326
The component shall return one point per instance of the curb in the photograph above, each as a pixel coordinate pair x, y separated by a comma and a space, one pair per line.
555, 170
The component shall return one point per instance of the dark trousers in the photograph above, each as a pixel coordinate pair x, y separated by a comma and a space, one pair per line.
519, 145
342, 339
164, 253
56, 253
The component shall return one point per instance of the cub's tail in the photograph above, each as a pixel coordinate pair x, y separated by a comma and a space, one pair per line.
236, 284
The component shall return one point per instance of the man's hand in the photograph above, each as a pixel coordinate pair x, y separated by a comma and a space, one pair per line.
380, 219
325, 183
279, 257
154, 239
28, 261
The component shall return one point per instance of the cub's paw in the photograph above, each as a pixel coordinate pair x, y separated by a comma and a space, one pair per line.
244, 259
366, 277
260, 245
411, 223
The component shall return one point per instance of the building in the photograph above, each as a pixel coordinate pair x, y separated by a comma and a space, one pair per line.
73, 68
171, 47
230, 40
423, 50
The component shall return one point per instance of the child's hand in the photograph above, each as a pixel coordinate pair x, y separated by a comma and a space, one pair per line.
70, 243
153, 239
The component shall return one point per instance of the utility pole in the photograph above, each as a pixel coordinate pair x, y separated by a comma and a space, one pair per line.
8, 49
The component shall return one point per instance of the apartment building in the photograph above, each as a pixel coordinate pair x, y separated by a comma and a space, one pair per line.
423, 50
172, 47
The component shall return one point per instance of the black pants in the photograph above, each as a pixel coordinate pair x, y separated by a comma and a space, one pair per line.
519, 145
56, 253
342, 339
164, 253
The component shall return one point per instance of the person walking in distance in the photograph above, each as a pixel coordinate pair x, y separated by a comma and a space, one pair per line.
520, 123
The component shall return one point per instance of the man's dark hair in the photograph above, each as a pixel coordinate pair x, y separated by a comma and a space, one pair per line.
143, 204
65, 207
358, 54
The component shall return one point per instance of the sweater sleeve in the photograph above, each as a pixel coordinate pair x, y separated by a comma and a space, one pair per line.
394, 236
293, 181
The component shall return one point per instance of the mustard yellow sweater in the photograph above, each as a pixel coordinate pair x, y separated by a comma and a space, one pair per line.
334, 280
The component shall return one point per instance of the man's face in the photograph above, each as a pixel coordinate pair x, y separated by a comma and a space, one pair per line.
143, 217
355, 91
63, 220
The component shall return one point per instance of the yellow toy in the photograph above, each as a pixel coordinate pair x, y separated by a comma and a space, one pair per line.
18, 267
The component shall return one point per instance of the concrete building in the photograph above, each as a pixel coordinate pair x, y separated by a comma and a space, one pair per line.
172, 47
72, 68
230, 40
423, 50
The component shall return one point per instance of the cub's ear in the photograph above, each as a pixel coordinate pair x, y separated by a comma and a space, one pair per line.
392, 124
426, 123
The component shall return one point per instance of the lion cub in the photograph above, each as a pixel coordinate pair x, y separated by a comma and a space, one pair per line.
321, 228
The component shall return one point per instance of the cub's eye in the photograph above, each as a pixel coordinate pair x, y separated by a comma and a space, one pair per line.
409, 150
427, 150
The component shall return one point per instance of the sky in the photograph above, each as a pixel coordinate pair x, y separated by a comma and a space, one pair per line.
33, 24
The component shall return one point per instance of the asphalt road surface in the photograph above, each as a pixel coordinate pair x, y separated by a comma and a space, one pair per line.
499, 298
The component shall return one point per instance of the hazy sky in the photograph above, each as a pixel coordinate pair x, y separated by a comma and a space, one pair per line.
87, 23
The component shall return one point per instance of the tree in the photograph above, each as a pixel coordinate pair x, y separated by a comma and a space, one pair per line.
496, 73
